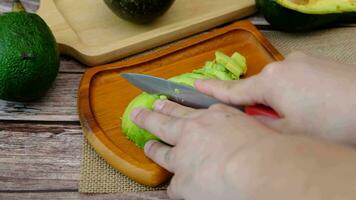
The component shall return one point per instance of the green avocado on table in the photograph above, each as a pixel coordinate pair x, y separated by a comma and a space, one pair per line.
139, 11
304, 15
29, 57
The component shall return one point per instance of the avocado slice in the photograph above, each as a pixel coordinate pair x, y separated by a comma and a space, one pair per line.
304, 15
139, 11
231, 64
29, 57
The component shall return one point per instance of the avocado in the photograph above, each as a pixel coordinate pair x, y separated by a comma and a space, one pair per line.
232, 64
304, 15
211, 70
29, 57
139, 11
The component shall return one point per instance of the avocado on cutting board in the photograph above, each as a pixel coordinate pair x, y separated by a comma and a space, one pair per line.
29, 58
138, 11
90, 31
304, 15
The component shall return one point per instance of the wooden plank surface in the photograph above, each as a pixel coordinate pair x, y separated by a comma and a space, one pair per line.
70, 65
58, 105
159, 195
39, 156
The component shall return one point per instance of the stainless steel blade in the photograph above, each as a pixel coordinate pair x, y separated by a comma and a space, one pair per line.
179, 93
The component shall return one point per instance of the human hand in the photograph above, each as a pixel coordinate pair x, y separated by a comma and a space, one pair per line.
221, 153
313, 96
204, 143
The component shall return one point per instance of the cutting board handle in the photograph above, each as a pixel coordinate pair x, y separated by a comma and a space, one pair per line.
66, 37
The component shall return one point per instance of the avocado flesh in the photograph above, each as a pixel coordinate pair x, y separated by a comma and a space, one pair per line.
29, 57
292, 20
139, 11
319, 6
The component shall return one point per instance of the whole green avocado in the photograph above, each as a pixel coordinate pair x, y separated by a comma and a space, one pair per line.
139, 11
29, 57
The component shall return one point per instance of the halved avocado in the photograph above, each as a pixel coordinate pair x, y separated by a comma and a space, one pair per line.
139, 11
303, 15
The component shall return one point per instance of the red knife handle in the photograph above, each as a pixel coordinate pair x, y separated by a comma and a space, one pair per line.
262, 110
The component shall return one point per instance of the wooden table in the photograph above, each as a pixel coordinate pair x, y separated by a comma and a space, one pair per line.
40, 143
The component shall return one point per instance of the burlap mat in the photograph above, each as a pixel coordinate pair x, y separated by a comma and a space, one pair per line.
96, 176
338, 43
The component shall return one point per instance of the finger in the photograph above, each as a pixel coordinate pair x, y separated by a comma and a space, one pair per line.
248, 91
173, 190
160, 154
167, 128
225, 108
171, 108
279, 125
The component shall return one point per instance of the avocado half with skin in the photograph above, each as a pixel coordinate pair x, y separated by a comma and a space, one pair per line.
139, 11
304, 15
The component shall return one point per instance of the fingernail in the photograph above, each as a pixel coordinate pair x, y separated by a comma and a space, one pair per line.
158, 105
148, 146
135, 112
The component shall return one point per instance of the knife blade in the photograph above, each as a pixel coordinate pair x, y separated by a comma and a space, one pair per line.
186, 95
176, 92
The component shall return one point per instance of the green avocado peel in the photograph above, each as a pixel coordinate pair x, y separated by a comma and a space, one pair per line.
222, 68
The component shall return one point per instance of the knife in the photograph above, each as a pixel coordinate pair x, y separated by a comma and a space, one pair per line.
186, 95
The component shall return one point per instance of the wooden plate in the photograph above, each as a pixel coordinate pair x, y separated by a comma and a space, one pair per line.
90, 32
104, 95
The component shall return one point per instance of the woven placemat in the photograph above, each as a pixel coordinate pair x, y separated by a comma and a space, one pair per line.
338, 43
97, 176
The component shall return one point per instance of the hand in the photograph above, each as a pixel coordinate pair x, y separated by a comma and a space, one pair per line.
205, 141
314, 96
221, 153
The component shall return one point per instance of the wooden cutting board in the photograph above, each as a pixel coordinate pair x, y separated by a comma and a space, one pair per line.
90, 32
104, 95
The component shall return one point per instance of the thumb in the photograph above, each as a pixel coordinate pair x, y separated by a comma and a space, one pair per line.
239, 92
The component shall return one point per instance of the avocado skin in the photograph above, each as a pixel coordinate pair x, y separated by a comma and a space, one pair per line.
288, 20
29, 57
139, 11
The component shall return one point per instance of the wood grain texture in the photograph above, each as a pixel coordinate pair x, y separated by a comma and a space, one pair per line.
160, 195
58, 105
40, 156
89, 31
70, 65
102, 86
